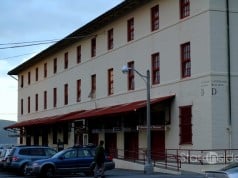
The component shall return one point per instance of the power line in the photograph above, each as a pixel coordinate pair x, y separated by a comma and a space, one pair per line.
17, 56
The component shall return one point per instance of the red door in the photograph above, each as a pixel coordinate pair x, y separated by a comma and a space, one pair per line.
111, 143
157, 145
131, 145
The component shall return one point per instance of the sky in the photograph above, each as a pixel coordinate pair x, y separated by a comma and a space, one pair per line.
24, 22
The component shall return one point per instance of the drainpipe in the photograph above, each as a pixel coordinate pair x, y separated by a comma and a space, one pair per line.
229, 72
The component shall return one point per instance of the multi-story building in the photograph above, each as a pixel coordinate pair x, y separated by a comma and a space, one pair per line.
74, 91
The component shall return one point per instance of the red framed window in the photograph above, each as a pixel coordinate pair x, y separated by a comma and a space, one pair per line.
54, 97
185, 115
155, 18
55, 65
93, 47
78, 90
36, 74
45, 70
78, 54
93, 86
36, 102
184, 8
186, 60
29, 104
110, 82
22, 81
130, 29
66, 94
131, 76
155, 61
22, 106
45, 99
66, 60
110, 39
29, 78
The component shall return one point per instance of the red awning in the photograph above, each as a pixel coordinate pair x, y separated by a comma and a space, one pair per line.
77, 115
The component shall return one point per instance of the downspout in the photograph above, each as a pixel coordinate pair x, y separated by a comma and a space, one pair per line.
229, 73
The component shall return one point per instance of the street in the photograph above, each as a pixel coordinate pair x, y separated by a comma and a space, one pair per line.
117, 173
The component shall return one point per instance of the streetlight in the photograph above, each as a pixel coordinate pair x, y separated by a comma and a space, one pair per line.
148, 169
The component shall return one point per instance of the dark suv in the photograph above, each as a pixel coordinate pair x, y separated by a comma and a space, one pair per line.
20, 156
78, 159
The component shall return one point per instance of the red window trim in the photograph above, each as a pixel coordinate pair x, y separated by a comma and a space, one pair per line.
131, 76
79, 54
185, 60
55, 65
22, 106
29, 104
93, 47
45, 99
78, 90
110, 39
55, 97
155, 61
184, 8
155, 18
36, 102
110, 82
66, 93
130, 29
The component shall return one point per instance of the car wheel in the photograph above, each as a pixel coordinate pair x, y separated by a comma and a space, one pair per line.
48, 172
22, 171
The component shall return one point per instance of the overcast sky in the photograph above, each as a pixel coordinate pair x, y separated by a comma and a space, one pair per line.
37, 20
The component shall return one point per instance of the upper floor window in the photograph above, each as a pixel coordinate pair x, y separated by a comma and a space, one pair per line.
36, 74
78, 90
22, 81
131, 76
54, 97
185, 115
66, 60
110, 39
110, 82
55, 65
22, 106
184, 8
45, 99
155, 61
93, 86
130, 29
155, 18
36, 102
93, 47
185, 60
78, 54
66, 94
45, 70
29, 78
29, 104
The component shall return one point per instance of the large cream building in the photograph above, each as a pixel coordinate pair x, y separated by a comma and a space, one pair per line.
75, 92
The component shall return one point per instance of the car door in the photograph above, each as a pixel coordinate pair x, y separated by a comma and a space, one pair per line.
85, 158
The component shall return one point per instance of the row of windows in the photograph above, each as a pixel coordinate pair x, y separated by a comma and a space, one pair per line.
184, 12
155, 77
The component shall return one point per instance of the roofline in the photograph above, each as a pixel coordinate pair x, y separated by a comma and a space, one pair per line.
84, 32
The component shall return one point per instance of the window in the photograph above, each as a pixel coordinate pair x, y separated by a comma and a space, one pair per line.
155, 18
184, 8
131, 77
185, 114
45, 70
130, 29
22, 81
66, 60
78, 90
110, 39
22, 106
55, 65
155, 68
36, 102
93, 47
45, 99
65, 94
78, 54
110, 82
185, 60
29, 78
54, 97
36, 76
93, 86
29, 104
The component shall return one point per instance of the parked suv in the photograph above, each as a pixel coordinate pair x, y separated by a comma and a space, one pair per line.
78, 159
20, 156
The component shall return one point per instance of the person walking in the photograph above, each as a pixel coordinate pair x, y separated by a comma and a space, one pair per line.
99, 160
